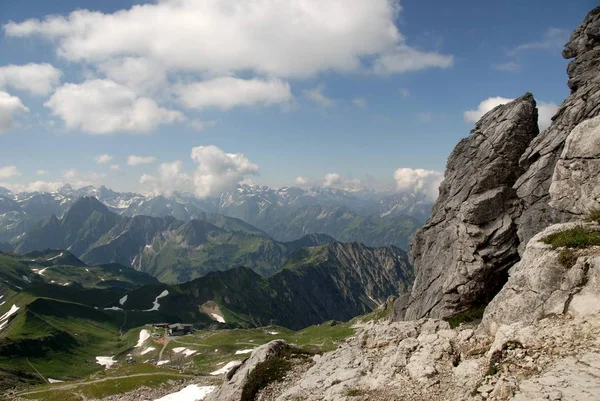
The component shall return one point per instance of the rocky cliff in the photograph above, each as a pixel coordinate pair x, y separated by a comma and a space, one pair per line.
505, 183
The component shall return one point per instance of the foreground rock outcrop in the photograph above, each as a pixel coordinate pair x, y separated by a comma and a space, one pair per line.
504, 184
470, 241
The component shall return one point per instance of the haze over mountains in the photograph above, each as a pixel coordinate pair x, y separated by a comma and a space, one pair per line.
286, 214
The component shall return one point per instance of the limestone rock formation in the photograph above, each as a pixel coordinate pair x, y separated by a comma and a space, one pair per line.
470, 238
575, 185
233, 388
541, 157
540, 285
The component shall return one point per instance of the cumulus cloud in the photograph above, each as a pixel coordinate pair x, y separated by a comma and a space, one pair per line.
546, 111
139, 73
293, 38
10, 107
37, 79
36, 186
360, 102
301, 181
228, 92
103, 159
316, 96
169, 178
219, 171
472, 116
332, 179
79, 179
114, 167
419, 181
9, 171
134, 160
105, 107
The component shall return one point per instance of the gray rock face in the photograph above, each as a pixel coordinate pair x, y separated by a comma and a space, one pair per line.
541, 157
471, 238
575, 185
232, 389
539, 285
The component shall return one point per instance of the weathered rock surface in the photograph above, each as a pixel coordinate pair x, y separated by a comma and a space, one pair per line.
470, 239
545, 150
539, 285
232, 389
575, 185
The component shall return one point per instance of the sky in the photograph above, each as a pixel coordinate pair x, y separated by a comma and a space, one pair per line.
200, 95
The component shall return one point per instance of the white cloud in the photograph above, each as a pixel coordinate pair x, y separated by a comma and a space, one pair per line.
269, 37
545, 113
419, 180
105, 107
140, 73
103, 159
201, 125
509, 66
79, 179
360, 102
228, 92
554, 38
114, 167
9, 171
472, 116
36, 186
301, 181
10, 107
405, 92
41, 172
406, 59
133, 160
169, 179
219, 171
332, 179
37, 79
316, 96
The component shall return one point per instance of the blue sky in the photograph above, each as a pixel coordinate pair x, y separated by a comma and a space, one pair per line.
212, 93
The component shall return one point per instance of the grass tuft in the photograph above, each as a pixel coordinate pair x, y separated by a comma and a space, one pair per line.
578, 237
353, 392
594, 216
567, 258
470, 315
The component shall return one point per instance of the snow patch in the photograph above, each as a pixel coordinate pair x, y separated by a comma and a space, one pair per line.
51, 381
4, 318
87, 270
159, 363
144, 335
190, 393
273, 333
113, 308
156, 304
40, 271
185, 351
227, 368
218, 318
244, 351
106, 361
123, 300
146, 350
56, 257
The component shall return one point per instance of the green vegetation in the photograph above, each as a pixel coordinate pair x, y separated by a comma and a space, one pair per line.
353, 392
567, 258
594, 216
269, 371
578, 237
470, 315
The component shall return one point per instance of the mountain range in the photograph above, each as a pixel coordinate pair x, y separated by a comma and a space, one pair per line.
286, 214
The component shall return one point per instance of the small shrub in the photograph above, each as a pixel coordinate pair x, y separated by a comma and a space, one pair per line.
578, 237
470, 315
567, 258
333, 383
594, 216
353, 392
267, 372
